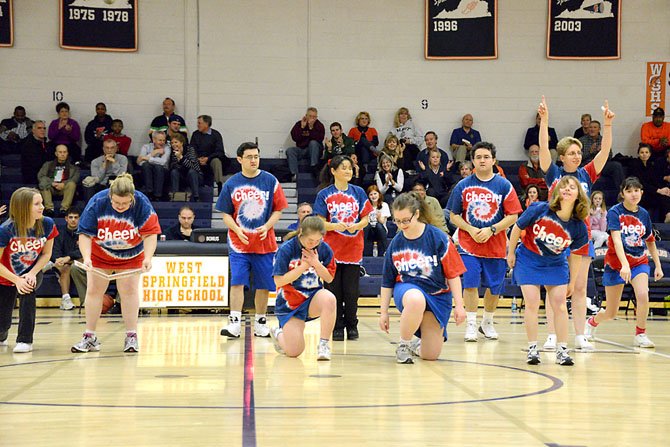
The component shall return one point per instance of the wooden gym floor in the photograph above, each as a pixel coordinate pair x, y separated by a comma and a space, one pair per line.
189, 386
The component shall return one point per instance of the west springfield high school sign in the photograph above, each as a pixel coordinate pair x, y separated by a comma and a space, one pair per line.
103, 25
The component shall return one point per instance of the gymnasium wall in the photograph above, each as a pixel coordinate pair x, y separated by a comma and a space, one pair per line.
255, 65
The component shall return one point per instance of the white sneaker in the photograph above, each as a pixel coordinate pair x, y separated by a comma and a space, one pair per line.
88, 343
403, 355
23, 347
488, 330
415, 347
234, 328
66, 303
550, 344
589, 331
583, 344
323, 352
641, 340
261, 328
471, 331
274, 334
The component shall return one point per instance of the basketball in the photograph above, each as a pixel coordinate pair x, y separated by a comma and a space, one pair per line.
107, 303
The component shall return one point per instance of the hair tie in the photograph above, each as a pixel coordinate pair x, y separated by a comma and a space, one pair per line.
329, 161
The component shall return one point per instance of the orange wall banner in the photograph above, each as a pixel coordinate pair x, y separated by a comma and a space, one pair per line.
656, 84
185, 281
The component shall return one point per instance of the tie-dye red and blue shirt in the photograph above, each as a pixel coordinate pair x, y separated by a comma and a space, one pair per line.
548, 236
19, 254
427, 261
118, 237
483, 204
586, 175
288, 258
251, 202
636, 231
347, 207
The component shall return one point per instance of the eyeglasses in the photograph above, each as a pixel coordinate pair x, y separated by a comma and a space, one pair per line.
252, 157
403, 221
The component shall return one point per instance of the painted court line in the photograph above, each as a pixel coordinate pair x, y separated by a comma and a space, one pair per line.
648, 351
248, 405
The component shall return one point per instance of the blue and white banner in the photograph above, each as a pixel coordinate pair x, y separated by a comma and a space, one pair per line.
6, 23
461, 29
103, 25
584, 29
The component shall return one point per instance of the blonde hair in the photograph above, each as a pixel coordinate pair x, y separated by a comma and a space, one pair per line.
396, 120
603, 207
412, 201
123, 186
309, 225
21, 211
564, 143
362, 114
395, 154
580, 210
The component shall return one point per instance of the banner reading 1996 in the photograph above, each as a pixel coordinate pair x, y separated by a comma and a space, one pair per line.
461, 29
104, 25
6, 24
584, 29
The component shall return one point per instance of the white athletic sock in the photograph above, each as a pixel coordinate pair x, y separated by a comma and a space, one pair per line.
66, 295
236, 314
259, 316
488, 316
404, 342
532, 344
563, 346
471, 317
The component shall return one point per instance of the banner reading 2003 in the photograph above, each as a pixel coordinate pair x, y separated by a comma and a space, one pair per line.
104, 25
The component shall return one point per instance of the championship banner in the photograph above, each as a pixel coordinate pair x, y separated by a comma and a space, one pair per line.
185, 281
657, 82
104, 25
584, 29
461, 29
6, 23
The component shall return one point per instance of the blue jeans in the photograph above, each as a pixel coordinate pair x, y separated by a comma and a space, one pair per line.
312, 151
154, 178
192, 178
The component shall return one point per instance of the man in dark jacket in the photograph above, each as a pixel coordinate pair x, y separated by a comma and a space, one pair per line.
208, 145
34, 153
65, 252
14, 130
95, 132
58, 177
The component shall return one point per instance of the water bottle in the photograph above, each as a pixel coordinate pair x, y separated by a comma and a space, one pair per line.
514, 304
375, 250
281, 153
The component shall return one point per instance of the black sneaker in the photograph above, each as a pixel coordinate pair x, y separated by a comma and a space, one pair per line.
352, 333
338, 335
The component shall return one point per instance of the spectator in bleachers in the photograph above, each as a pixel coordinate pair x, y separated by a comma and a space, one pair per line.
408, 134
434, 208
182, 230
65, 252
390, 179
95, 132
308, 134
338, 143
397, 150
431, 143
656, 133
598, 219
591, 143
530, 195
464, 170
376, 230
531, 174
34, 153
174, 128
58, 177
463, 138
533, 139
586, 122
656, 197
304, 210
123, 141
184, 168
662, 168
208, 145
14, 130
365, 137
65, 130
153, 160
436, 177
358, 177
161, 122
105, 168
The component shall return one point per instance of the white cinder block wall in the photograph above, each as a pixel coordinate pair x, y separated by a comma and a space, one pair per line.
255, 65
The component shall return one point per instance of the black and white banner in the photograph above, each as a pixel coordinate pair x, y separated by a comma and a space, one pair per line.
584, 29
106, 25
461, 29
6, 24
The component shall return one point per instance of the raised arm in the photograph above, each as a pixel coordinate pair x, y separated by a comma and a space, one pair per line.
606, 145
545, 155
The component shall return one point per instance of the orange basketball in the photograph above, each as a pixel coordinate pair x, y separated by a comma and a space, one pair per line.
107, 303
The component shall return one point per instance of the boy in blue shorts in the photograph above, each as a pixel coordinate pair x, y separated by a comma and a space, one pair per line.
251, 202
483, 206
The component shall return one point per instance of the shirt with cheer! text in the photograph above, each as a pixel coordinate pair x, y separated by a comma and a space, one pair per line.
19, 254
548, 236
347, 207
427, 262
251, 202
118, 237
483, 204
636, 231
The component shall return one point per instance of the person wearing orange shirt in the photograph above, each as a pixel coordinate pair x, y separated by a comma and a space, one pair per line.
656, 133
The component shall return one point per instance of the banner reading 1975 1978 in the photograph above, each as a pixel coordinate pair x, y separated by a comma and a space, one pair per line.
103, 25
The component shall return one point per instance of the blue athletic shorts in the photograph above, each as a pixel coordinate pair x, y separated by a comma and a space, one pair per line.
533, 269
285, 313
440, 306
484, 272
611, 277
242, 264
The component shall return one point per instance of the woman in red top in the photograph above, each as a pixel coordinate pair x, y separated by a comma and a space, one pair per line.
365, 137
